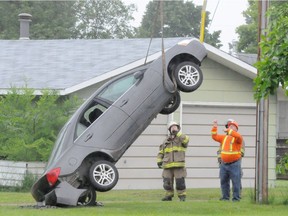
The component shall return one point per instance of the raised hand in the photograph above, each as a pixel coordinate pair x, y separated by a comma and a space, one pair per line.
215, 123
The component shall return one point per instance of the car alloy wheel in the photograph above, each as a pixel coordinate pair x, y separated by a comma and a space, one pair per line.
188, 76
103, 175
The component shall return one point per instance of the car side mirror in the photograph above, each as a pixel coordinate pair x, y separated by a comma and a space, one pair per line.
139, 74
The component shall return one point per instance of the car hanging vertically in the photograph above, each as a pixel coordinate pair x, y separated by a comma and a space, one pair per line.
110, 120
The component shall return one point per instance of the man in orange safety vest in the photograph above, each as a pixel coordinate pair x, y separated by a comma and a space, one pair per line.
230, 152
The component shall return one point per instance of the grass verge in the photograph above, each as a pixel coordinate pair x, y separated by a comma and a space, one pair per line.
147, 202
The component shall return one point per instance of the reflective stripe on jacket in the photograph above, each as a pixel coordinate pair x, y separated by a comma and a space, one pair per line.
230, 145
172, 151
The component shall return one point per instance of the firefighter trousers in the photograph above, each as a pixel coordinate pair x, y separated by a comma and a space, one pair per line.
178, 174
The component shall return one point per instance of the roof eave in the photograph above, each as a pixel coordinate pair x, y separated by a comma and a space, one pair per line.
110, 74
231, 62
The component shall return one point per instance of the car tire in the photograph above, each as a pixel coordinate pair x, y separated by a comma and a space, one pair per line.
89, 198
188, 76
172, 104
103, 175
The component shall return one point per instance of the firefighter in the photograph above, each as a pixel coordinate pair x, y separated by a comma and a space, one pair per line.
230, 160
171, 158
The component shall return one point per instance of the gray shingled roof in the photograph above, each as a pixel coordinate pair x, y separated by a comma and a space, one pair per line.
248, 58
60, 64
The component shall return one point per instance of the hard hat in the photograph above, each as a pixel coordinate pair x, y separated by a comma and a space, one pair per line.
173, 123
234, 123
228, 122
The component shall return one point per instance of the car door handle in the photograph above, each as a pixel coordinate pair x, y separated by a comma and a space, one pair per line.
88, 137
123, 102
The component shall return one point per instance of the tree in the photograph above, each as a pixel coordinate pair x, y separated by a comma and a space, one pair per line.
50, 19
29, 125
181, 19
273, 67
248, 33
103, 19
68, 19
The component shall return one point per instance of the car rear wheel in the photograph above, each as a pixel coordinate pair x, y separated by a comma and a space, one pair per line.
103, 175
172, 104
89, 198
188, 76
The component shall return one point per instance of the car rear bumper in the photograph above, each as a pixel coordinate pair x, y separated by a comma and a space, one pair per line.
62, 194
40, 189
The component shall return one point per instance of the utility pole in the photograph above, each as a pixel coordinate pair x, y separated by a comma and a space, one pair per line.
203, 17
261, 172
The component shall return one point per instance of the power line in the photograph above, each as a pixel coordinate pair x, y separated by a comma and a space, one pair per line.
213, 15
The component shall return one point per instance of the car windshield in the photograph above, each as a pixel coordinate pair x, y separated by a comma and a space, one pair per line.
117, 88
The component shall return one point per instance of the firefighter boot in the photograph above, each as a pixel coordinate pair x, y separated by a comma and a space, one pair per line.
167, 198
182, 198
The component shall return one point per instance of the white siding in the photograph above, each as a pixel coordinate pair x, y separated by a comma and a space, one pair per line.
138, 167
201, 155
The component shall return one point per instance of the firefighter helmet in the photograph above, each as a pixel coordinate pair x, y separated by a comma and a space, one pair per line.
173, 123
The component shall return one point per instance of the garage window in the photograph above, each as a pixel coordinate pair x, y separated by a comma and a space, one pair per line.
283, 120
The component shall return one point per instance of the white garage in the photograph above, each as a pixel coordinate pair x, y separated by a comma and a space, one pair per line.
138, 169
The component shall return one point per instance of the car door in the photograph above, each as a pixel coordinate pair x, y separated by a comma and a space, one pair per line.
144, 100
109, 130
136, 96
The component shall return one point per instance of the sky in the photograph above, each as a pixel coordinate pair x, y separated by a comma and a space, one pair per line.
227, 16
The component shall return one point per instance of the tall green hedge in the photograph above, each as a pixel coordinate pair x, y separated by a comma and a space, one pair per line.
29, 124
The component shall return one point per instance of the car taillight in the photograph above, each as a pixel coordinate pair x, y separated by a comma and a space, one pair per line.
52, 176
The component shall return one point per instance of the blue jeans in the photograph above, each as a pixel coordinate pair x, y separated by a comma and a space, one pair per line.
230, 172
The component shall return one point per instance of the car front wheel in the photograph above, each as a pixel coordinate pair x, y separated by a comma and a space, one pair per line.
89, 198
103, 175
188, 76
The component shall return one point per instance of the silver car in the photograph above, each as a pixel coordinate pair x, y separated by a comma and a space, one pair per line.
104, 127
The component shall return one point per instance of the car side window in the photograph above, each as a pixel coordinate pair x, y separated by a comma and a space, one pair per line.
90, 114
118, 88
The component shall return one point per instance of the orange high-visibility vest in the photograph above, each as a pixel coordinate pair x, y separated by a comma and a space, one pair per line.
230, 145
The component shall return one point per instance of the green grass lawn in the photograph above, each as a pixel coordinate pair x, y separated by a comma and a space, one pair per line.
147, 202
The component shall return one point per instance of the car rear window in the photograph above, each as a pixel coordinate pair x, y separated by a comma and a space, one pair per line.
113, 91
